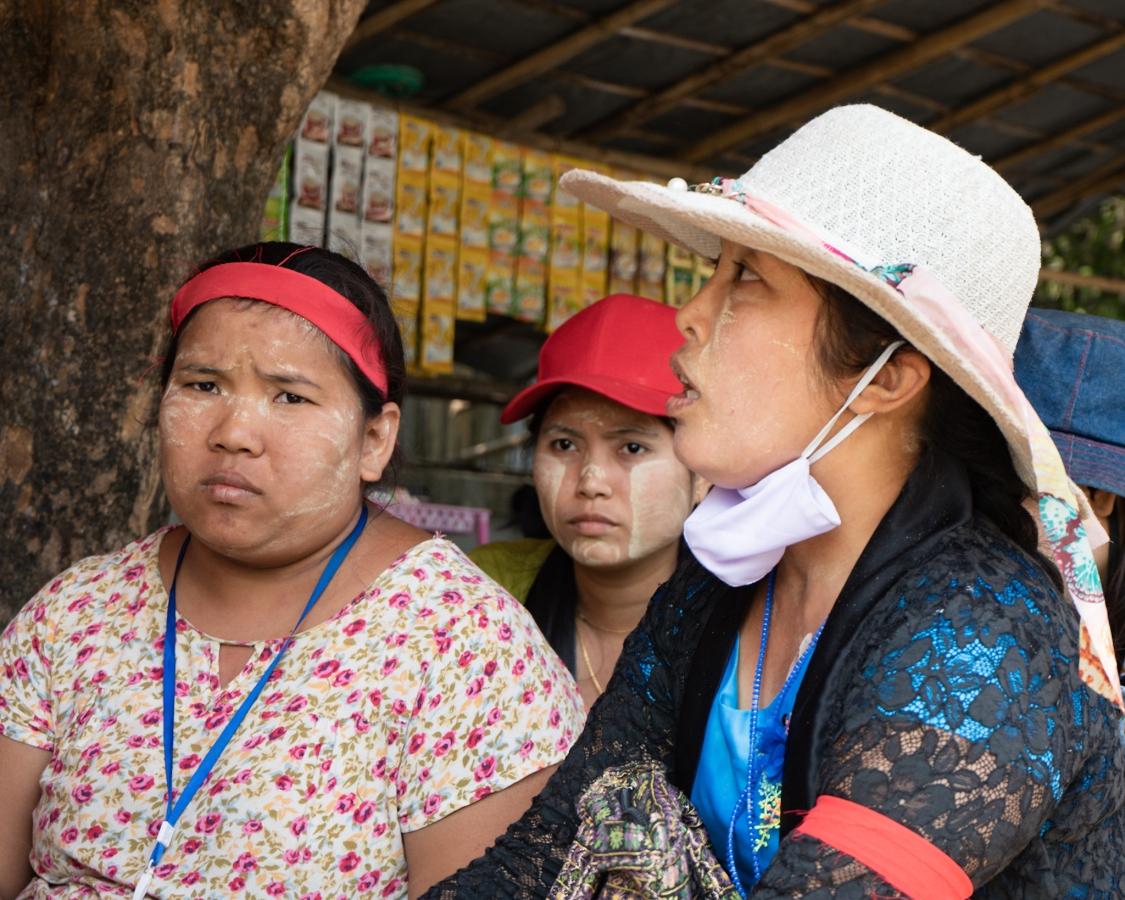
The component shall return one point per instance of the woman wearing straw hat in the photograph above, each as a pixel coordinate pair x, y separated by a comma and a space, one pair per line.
874, 684
613, 495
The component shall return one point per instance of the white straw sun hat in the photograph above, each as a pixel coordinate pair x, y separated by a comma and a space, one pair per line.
929, 237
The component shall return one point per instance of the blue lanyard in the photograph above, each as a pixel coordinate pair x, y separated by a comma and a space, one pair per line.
748, 793
174, 811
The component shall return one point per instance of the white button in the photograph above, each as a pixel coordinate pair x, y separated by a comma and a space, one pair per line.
677, 184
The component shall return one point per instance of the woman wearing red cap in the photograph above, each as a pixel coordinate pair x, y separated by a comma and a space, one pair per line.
291, 694
613, 494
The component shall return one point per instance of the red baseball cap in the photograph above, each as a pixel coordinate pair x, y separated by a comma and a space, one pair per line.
618, 347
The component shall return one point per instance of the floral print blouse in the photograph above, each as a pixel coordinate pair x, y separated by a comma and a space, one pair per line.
430, 690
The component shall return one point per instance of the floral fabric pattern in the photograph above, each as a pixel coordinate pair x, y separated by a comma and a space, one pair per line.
430, 690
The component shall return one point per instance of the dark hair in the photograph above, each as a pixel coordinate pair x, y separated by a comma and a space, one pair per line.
349, 280
851, 336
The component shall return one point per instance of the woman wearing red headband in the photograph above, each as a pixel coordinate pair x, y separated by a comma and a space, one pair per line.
290, 694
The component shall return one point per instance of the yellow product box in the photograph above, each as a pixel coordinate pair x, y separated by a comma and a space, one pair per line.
593, 287
507, 167
414, 136
595, 241
701, 274
561, 164
446, 151
406, 314
504, 224
476, 205
410, 204
650, 274
566, 247
407, 269
440, 267
529, 303
445, 198
436, 356
472, 283
538, 177
678, 289
564, 298
623, 265
499, 282
477, 158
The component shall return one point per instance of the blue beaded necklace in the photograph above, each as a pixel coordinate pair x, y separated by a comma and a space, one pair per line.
748, 794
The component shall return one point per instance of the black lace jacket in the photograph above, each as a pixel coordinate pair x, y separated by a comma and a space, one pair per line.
943, 693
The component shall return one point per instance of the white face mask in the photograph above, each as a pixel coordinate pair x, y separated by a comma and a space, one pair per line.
739, 536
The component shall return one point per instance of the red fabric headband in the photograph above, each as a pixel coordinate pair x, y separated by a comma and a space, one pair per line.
302, 295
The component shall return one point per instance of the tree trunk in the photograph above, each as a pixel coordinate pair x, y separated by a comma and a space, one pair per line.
138, 138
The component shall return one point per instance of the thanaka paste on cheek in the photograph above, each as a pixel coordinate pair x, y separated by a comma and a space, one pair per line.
659, 500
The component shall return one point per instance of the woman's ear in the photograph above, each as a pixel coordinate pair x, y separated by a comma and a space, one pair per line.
1101, 501
898, 382
380, 434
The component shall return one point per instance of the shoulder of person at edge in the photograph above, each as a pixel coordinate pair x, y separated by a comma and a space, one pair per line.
513, 564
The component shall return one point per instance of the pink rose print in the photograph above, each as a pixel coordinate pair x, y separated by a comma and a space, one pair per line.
494, 715
416, 743
475, 686
344, 678
518, 667
82, 794
326, 667
284, 782
94, 832
392, 886
485, 769
85, 653
237, 883
389, 666
298, 825
70, 835
253, 826
297, 704
444, 744
345, 804
527, 747
208, 823
505, 632
482, 792
245, 863
140, 783
365, 811
432, 804
355, 627
369, 879
123, 816
490, 668
275, 888
192, 844
528, 696
474, 737
349, 861
399, 600
190, 878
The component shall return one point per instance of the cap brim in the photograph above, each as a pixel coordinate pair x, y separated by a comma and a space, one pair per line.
651, 401
1092, 463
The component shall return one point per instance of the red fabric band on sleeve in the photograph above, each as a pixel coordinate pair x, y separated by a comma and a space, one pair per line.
901, 857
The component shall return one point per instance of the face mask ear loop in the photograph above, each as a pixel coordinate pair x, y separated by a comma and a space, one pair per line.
859, 388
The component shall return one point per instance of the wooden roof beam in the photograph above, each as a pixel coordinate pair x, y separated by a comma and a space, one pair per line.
380, 21
555, 54
738, 61
1029, 84
1105, 177
1108, 285
1097, 123
883, 68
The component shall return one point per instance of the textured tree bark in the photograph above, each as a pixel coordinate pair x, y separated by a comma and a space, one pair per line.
137, 138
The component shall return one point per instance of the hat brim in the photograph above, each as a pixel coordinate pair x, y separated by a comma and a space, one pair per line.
1092, 463
651, 401
699, 222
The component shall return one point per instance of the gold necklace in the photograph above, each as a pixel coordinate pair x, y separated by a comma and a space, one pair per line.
586, 659
598, 627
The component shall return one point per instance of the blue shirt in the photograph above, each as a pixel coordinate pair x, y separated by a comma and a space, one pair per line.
721, 776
